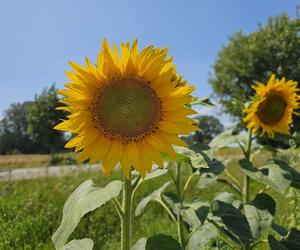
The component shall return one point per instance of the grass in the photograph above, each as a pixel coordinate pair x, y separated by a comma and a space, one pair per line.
30, 210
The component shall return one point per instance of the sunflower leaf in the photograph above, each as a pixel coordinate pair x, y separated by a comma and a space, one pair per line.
259, 214
227, 138
234, 220
272, 174
202, 236
162, 242
86, 198
156, 195
291, 241
202, 101
140, 244
84, 244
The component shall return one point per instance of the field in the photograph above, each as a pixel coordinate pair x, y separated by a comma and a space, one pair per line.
35, 160
30, 211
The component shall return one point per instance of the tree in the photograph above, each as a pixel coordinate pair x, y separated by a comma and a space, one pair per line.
42, 117
247, 59
13, 130
209, 128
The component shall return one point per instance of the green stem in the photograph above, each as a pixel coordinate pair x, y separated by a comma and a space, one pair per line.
126, 218
179, 194
188, 183
246, 190
246, 187
167, 209
221, 234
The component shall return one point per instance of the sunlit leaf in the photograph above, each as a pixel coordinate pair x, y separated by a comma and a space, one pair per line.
140, 244
259, 214
271, 174
227, 138
84, 244
156, 195
201, 237
87, 197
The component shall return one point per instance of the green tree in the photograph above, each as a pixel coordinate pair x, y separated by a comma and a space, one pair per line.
13, 130
42, 117
251, 58
209, 128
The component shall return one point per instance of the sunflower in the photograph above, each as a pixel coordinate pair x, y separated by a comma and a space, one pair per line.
273, 106
128, 108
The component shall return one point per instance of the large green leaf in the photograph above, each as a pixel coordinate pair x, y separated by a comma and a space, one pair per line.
280, 229
209, 176
156, 172
271, 174
172, 200
275, 244
140, 244
290, 242
202, 236
156, 195
202, 101
259, 214
162, 242
84, 244
290, 173
87, 197
225, 197
195, 217
227, 138
187, 155
234, 220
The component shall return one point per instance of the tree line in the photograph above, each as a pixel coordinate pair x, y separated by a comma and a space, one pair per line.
28, 127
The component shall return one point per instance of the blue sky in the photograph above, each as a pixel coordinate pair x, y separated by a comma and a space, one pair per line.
38, 38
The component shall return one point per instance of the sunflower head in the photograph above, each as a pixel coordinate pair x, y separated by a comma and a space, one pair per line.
127, 109
272, 108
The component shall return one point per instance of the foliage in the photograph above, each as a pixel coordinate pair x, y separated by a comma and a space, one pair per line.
42, 117
27, 127
209, 128
241, 219
14, 136
59, 159
30, 212
248, 58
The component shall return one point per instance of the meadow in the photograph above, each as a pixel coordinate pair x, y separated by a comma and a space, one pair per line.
31, 210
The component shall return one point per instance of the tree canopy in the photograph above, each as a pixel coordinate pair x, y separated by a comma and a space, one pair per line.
209, 128
28, 127
251, 58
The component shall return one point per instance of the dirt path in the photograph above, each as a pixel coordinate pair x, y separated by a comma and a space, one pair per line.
34, 173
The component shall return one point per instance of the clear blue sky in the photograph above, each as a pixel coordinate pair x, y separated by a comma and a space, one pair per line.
38, 38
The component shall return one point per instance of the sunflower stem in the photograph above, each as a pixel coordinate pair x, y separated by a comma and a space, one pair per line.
180, 228
246, 187
246, 193
126, 218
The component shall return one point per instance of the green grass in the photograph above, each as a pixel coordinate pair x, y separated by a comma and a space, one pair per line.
30, 211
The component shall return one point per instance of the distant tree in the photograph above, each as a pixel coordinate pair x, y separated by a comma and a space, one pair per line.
13, 130
273, 48
42, 117
209, 128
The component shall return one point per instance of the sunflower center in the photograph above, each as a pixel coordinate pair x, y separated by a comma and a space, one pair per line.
271, 110
127, 109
